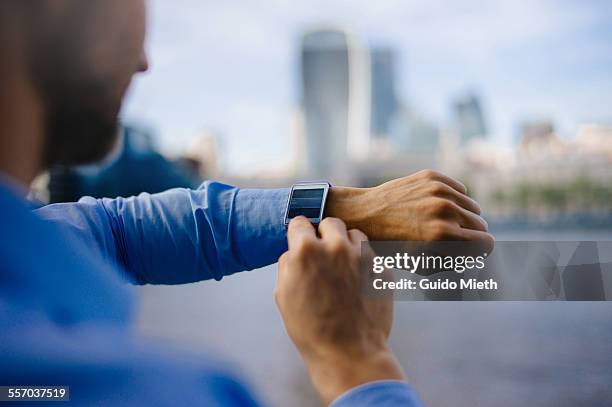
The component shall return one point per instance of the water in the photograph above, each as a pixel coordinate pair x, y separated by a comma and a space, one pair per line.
460, 354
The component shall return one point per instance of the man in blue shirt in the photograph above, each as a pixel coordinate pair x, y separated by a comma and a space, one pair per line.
64, 310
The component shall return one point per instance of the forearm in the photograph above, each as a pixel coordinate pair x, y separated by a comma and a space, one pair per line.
180, 235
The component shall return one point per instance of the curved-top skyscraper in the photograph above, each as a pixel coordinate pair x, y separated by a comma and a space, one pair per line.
335, 102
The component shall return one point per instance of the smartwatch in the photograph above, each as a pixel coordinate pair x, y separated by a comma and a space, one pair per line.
308, 200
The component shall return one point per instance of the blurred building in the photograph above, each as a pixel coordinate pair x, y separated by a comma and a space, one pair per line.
335, 102
298, 144
536, 129
202, 155
469, 118
383, 91
595, 139
539, 139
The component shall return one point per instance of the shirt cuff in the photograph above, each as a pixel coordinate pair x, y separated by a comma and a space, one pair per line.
258, 229
381, 393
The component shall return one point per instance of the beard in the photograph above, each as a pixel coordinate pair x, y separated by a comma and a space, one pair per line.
81, 124
80, 102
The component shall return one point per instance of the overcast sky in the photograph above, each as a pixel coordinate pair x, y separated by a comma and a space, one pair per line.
232, 65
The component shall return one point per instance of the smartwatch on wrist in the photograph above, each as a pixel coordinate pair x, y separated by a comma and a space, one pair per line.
307, 199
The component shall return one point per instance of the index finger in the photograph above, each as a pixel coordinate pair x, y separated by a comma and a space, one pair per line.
451, 182
300, 229
438, 176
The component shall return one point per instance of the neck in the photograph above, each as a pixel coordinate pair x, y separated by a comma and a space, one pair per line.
21, 131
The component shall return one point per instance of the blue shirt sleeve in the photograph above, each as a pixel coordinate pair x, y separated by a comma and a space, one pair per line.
383, 393
181, 235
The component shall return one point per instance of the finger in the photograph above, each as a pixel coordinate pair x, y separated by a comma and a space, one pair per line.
461, 199
453, 183
356, 236
332, 229
282, 260
300, 229
282, 266
472, 221
484, 239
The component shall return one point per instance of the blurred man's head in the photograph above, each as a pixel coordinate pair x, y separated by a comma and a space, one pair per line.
79, 57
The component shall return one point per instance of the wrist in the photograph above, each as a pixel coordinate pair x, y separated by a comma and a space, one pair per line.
348, 204
334, 375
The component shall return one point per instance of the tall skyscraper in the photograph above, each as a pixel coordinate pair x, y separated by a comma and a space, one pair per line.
384, 98
469, 118
335, 101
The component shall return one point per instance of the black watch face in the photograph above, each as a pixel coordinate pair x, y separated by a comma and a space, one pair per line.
306, 202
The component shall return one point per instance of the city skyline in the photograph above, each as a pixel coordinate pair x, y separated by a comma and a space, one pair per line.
233, 66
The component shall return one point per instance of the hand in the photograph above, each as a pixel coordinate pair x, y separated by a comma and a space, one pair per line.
341, 335
421, 207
